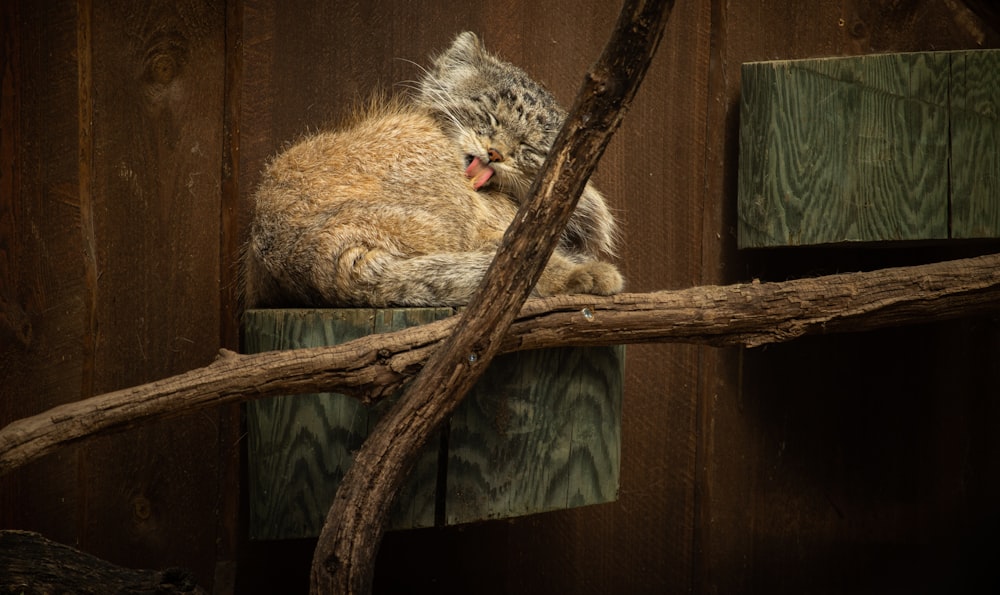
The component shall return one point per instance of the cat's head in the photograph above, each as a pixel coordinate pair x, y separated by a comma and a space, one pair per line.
504, 124
502, 120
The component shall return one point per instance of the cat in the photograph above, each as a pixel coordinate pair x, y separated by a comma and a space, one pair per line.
406, 206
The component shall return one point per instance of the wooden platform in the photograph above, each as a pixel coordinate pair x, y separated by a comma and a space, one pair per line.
540, 431
870, 148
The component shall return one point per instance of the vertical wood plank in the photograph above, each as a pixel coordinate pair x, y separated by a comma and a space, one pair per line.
716, 540
845, 150
300, 446
539, 432
417, 502
654, 168
232, 236
157, 102
975, 138
43, 290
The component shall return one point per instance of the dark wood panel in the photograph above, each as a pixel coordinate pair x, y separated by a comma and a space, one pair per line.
743, 547
44, 291
863, 447
653, 168
232, 236
157, 106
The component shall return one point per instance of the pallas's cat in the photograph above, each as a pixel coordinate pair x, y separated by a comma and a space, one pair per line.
406, 205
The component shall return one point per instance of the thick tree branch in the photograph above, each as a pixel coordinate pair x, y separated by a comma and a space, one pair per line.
375, 366
345, 555
371, 367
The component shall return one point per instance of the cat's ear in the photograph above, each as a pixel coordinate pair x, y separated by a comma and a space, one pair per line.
466, 48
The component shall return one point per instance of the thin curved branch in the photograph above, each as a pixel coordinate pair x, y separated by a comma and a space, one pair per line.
345, 554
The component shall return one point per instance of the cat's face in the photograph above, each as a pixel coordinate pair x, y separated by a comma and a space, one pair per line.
502, 121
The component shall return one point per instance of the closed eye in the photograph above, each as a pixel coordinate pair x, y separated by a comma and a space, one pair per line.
531, 150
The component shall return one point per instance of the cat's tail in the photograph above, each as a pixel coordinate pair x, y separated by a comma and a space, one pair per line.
592, 229
451, 278
360, 276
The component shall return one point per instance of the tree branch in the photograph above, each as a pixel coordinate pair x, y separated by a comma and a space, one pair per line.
376, 366
30, 563
345, 555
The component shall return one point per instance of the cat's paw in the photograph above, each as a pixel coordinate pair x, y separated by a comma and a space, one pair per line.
596, 277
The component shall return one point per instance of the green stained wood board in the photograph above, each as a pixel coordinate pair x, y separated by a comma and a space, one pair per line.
540, 431
870, 148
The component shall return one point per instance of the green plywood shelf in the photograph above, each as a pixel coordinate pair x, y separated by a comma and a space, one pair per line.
540, 431
870, 148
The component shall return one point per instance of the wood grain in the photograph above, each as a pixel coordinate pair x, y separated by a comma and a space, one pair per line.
155, 161
301, 446
556, 413
540, 431
418, 504
43, 289
853, 149
975, 136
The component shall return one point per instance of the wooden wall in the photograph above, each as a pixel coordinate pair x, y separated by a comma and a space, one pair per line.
131, 134
110, 232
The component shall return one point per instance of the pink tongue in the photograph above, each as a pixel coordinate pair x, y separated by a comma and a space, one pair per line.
478, 173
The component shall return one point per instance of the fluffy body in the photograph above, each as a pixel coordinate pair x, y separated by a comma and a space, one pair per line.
406, 205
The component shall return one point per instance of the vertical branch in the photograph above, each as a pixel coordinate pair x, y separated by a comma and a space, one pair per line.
345, 555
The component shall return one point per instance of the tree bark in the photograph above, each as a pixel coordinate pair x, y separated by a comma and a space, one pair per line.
345, 554
29, 563
372, 367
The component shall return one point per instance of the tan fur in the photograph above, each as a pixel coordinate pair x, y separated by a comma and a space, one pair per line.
381, 213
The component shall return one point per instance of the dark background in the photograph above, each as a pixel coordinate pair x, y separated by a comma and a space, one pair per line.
132, 133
